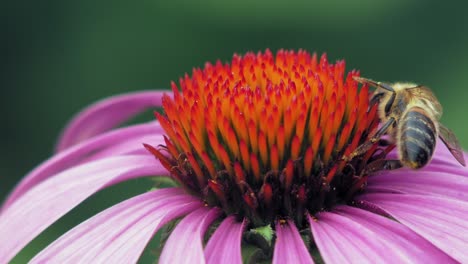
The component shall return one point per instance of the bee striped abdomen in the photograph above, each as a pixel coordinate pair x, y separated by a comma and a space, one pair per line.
417, 138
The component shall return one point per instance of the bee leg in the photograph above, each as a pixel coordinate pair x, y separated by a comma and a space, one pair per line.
384, 142
382, 164
376, 98
388, 105
363, 148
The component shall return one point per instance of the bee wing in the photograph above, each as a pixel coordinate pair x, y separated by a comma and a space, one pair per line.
452, 143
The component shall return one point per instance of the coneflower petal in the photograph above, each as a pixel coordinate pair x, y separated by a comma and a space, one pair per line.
225, 244
107, 114
120, 233
42, 205
133, 146
440, 220
76, 154
351, 235
185, 245
444, 164
425, 182
289, 246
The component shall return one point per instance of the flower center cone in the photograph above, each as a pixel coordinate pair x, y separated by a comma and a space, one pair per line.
265, 136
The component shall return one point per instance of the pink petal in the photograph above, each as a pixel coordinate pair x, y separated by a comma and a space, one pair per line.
439, 164
351, 235
107, 114
120, 233
225, 244
440, 220
129, 146
185, 244
289, 246
46, 202
423, 182
76, 154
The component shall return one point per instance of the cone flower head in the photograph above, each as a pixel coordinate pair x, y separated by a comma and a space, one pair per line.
265, 135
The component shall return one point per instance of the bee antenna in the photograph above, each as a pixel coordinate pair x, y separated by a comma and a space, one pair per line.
363, 80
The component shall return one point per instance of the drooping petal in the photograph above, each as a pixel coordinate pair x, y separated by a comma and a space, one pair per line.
185, 245
440, 220
351, 235
289, 246
76, 154
130, 146
225, 244
424, 182
120, 233
107, 114
441, 165
42, 205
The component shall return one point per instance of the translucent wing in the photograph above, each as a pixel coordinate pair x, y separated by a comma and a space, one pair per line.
452, 143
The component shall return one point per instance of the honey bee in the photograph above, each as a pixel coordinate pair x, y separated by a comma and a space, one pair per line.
410, 116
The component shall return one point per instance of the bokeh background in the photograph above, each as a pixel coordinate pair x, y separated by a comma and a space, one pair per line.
59, 56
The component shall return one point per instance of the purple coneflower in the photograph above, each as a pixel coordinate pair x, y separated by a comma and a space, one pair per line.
256, 148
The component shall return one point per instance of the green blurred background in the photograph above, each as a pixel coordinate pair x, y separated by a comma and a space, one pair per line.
59, 56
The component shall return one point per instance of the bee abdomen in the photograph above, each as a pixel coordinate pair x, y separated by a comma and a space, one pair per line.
417, 138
